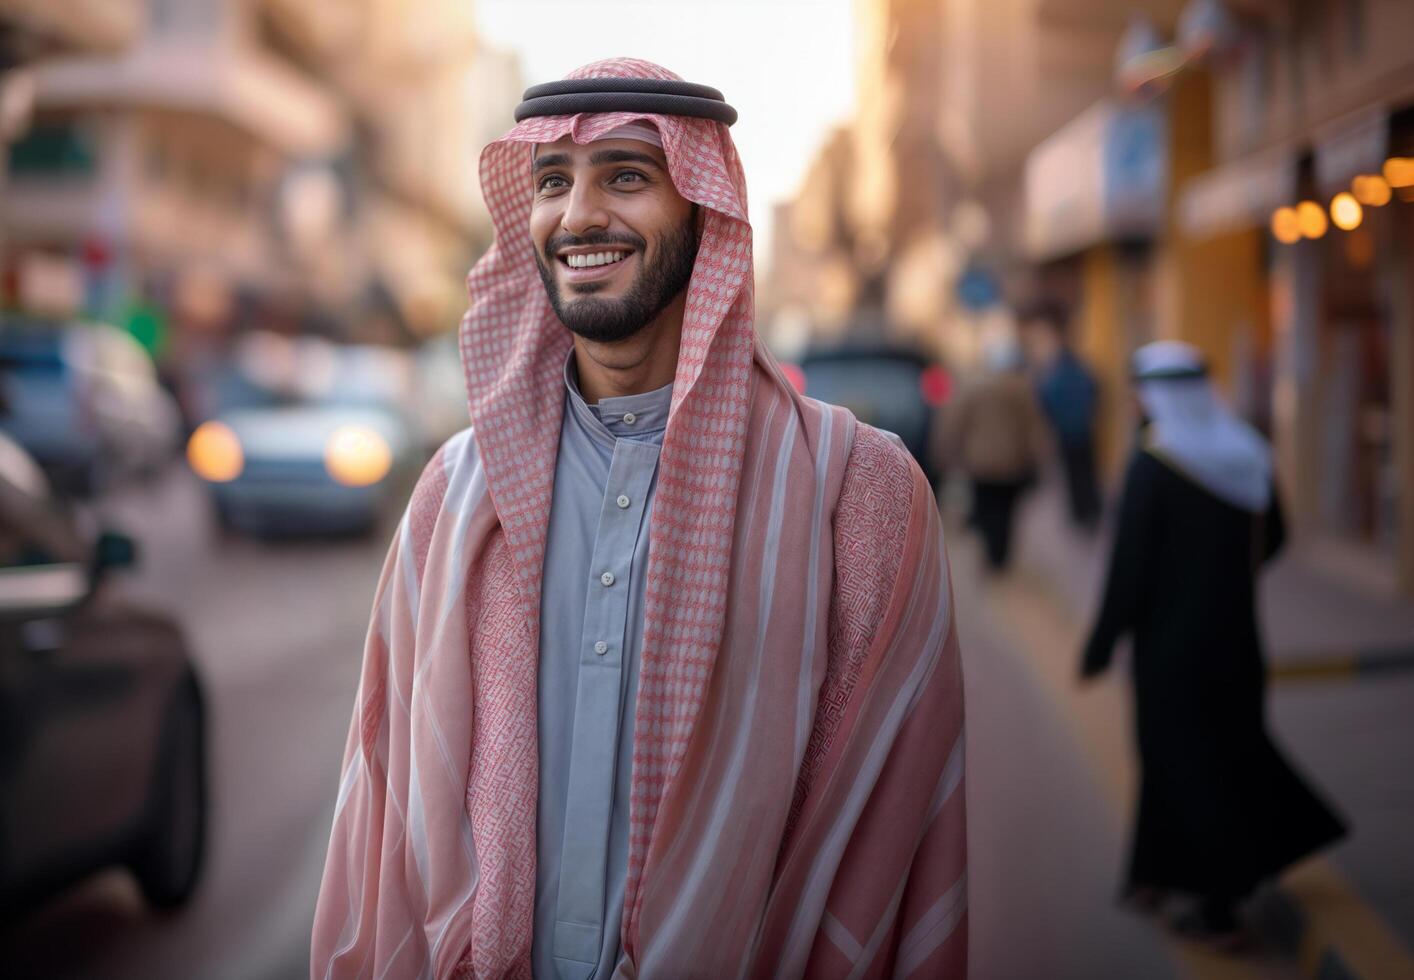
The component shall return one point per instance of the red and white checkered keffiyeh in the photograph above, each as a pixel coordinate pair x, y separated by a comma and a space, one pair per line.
797, 806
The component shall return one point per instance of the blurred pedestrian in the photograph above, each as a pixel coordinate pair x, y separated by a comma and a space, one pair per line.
1219, 809
1069, 396
650, 571
995, 434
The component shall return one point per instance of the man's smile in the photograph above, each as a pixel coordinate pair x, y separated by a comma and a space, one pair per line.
585, 264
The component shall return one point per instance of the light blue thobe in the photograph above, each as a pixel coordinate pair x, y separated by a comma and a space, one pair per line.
591, 629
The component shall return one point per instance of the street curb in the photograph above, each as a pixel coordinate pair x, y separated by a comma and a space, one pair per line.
1278, 917
1340, 665
1314, 917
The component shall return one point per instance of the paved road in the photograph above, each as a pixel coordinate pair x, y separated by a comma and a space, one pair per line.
1044, 836
277, 631
1050, 785
1355, 737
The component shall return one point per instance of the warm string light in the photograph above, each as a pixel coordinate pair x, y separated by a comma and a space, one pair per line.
1399, 171
1291, 223
1311, 218
1371, 190
1285, 226
1346, 212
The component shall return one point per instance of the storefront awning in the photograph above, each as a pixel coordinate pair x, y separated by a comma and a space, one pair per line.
1352, 145
1102, 177
1237, 195
72, 26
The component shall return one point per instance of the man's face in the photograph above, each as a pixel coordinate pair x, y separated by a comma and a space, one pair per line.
614, 240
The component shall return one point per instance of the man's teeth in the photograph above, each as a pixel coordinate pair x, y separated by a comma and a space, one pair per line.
593, 259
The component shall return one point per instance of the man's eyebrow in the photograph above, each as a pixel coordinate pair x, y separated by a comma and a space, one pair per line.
600, 157
552, 160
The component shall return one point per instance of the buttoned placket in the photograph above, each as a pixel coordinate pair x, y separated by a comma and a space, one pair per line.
579, 911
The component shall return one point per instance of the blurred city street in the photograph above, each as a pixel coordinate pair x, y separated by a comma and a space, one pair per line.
277, 633
1090, 261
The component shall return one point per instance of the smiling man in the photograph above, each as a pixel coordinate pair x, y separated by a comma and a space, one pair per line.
662, 679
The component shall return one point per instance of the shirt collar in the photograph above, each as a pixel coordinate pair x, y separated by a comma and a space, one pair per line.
641, 417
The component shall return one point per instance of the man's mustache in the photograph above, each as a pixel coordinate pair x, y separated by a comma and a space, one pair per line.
597, 240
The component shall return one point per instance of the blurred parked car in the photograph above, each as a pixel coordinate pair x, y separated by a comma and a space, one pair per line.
439, 397
84, 400
320, 442
102, 751
894, 388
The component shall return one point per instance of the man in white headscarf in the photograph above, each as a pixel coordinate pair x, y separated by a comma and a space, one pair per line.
1219, 808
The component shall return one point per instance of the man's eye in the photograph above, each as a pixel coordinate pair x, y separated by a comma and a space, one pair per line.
552, 182
627, 177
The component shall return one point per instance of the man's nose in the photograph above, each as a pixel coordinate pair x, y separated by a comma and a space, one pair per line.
584, 211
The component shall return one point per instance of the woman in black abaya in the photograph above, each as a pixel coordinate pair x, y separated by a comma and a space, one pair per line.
1220, 810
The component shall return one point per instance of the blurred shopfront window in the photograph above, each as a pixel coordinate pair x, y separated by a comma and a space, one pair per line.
184, 16
57, 147
1357, 492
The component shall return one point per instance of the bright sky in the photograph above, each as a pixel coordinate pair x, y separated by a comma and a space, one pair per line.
787, 66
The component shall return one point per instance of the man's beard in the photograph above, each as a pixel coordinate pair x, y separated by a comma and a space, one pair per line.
657, 284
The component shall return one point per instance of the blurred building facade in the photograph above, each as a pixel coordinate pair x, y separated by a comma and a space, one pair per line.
1312, 103
425, 94
952, 96
301, 164
1128, 158
31, 30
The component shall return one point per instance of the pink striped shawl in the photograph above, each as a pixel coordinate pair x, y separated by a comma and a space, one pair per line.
797, 805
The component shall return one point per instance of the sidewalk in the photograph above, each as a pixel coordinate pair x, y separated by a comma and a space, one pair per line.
1349, 915
1049, 777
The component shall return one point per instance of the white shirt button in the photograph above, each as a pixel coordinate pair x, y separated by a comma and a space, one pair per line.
607, 578
623, 501
630, 418
601, 648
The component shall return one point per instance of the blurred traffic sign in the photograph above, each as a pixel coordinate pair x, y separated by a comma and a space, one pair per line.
978, 289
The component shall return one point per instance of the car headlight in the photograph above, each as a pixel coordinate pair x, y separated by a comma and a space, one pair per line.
356, 456
214, 452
